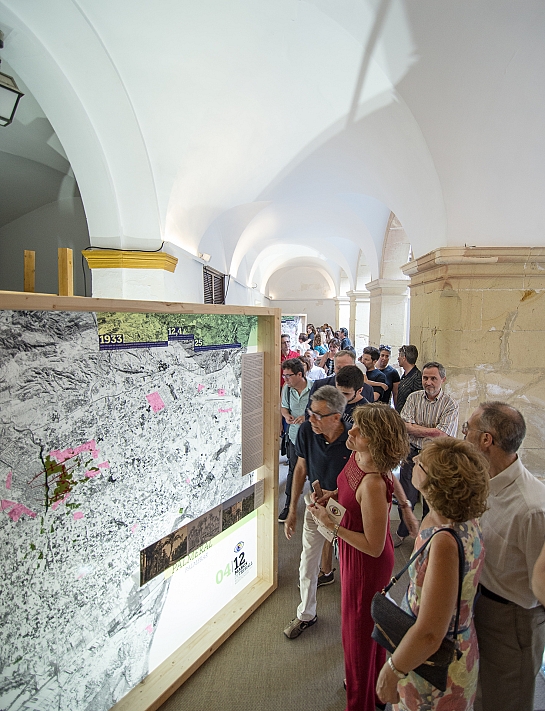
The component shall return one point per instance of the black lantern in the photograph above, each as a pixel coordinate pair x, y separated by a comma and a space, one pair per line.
9, 94
9, 98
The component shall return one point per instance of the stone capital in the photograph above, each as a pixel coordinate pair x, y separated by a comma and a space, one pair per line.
515, 267
387, 287
358, 296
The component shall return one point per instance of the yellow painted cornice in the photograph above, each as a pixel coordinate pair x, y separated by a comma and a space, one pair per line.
119, 259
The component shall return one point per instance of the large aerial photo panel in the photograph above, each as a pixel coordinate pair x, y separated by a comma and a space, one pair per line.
117, 431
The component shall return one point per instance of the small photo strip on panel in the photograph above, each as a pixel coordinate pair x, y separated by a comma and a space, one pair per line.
175, 546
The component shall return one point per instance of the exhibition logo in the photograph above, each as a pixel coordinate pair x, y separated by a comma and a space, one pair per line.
239, 546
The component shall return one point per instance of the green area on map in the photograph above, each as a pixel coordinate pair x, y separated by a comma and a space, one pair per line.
208, 329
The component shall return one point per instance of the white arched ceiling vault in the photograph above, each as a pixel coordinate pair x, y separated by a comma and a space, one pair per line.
292, 274
202, 123
337, 228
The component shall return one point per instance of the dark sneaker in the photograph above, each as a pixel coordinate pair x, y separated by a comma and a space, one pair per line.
283, 515
326, 579
297, 627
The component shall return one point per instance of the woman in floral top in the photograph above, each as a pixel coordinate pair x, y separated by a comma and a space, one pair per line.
453, 476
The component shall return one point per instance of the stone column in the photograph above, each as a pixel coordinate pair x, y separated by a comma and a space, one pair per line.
388, 312
359, 319
342, 313
118, 274
481, 312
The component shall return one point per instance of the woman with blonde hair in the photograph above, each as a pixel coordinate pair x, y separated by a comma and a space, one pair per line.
379, 442
318, 347
453, 476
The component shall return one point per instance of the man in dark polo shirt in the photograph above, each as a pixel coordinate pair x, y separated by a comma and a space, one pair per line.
375, 378
342, 359
322, 454
391, 374
411, 380
349, 381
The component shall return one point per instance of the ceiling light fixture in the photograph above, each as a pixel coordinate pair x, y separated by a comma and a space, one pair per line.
205, 257
9, 94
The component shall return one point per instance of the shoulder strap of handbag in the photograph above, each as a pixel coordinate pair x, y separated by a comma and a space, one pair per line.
461, 568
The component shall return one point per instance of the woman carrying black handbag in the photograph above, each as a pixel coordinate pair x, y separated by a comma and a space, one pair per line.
453, 476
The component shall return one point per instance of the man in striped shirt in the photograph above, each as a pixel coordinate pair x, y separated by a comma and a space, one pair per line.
427, 414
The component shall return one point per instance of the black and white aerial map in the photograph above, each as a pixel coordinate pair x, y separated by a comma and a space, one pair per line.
110, 439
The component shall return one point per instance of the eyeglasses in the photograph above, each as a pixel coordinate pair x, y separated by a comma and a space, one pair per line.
466, 428
317, 415
417, 462
289, 375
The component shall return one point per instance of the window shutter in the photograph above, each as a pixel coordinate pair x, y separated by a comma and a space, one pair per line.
214, 286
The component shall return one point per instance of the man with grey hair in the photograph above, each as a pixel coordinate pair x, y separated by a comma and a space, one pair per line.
427, 413
509, 620
322, 454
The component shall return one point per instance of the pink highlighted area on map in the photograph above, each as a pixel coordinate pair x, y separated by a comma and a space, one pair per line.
15, 510
155, 401
62, 455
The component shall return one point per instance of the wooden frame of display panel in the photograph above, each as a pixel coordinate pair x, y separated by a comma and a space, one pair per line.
155, 688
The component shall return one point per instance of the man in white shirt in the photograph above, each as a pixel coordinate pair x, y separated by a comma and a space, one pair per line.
509, 620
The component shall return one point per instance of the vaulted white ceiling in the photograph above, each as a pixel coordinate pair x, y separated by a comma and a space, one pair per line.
264, 131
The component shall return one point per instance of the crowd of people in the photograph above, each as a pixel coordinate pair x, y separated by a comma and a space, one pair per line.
351, 422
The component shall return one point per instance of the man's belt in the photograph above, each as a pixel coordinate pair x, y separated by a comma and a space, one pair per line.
492, 595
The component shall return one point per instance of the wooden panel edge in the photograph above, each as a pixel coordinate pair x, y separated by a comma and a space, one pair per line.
161, 683
21, 301
267, 532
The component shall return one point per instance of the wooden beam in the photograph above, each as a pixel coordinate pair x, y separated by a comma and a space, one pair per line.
66, 272
19, 301
30, 271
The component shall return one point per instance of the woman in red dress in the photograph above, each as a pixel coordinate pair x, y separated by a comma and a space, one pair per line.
366, 552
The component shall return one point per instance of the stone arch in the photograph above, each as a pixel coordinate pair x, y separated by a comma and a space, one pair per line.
92, 116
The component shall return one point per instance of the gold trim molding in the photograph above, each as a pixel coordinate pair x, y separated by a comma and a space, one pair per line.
119, 259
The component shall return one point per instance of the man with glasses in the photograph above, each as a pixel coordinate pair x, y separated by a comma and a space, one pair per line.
411, 380
428, 413
322, 454
391, 374
295, 394
509, 620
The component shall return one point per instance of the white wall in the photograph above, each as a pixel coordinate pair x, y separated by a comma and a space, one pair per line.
58, 224
318, 312
184, 285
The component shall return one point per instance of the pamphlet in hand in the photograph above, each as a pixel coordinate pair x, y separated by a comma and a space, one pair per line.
335, 511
